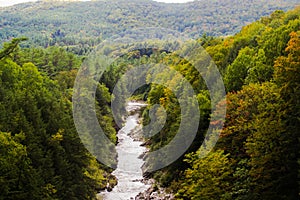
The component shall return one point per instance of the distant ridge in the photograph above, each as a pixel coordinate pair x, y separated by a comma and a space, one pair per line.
48, 23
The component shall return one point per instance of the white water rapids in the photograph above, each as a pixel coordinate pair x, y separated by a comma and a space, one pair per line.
128, 171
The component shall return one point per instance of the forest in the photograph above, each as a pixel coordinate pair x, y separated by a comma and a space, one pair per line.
256, 156
82, 25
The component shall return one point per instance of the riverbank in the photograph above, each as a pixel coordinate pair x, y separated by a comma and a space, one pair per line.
131, 149
129, 168
154, 192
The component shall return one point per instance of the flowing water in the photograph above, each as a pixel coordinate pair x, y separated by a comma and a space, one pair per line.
128, 171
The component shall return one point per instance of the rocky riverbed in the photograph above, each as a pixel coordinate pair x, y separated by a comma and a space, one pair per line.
132, 185
154, 192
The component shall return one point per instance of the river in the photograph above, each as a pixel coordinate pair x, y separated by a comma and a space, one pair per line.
128, 171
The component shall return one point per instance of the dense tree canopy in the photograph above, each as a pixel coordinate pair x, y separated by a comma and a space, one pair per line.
42, 156
257, 154
81, 25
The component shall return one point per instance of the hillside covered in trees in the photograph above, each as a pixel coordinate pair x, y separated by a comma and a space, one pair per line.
257, 154
80, 25
42, 156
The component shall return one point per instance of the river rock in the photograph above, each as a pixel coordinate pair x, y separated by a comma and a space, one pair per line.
154, 193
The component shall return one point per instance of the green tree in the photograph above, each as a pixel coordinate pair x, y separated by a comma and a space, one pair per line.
17, 178
259, 72
208, 178
287, 77
237, 72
